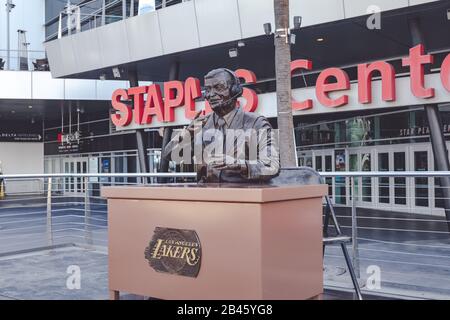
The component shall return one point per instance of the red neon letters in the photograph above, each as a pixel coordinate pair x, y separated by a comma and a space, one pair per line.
330, 90
324, 87
445, 73
296, 65
416, 62
365, 73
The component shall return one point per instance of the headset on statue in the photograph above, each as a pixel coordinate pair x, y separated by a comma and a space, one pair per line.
236, 89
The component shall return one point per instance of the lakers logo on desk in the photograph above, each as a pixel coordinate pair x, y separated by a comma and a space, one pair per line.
175, 251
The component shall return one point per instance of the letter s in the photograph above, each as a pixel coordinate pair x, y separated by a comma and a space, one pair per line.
248, 94
125, 115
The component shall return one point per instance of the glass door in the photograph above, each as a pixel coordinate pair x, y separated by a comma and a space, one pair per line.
305, 159
354, 166
366, 182
340, 183
392, 191
384, 192
74, 185
323, 162
400, 190
422, 193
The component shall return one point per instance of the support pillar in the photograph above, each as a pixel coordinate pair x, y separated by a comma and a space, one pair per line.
439, 147
174, 74
140, 133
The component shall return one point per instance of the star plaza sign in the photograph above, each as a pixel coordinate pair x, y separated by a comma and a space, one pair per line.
332, 91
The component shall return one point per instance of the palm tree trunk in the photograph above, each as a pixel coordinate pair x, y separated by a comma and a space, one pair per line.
283, 77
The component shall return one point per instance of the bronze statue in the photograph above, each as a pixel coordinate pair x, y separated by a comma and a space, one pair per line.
228, 145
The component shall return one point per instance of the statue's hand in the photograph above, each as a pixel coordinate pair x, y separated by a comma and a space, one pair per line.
195, 123
227, 163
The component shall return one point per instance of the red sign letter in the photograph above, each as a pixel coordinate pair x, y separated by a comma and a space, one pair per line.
154, 105
301, 64
173, 97
192, 91
137, 94
445, 73
323, 87
249, 95
416, 60
365, 73
126, 115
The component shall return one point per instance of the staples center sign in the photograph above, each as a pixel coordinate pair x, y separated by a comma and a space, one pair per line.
333, 92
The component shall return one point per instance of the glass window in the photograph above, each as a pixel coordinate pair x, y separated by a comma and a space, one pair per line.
366, 165
319, 163
340, 182
383, 182
421, 184
400, 182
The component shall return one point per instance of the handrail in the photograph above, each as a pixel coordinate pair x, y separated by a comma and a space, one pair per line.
387, 174
344, 174
101, 175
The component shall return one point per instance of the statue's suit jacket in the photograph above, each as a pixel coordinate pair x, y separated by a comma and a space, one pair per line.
256, 149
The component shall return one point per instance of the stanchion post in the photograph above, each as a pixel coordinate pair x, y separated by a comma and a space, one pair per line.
87, 212
49, 213
355, 256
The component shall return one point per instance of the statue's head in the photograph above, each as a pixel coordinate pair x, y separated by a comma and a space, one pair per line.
222, 88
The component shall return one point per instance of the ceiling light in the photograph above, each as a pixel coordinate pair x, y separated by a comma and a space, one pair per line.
116, 73
233, 53
320, 39
241, 44
30, 107
292, 38
267, 29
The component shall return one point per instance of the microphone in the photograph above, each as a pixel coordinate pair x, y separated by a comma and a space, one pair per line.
223, 103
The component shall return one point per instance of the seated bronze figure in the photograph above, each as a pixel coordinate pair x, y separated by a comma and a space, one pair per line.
229, 144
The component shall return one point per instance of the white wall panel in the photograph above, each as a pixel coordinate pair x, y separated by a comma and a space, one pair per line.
86, 49
105, 89
22, 158
45, 87
113, 39
315, 12
178, 27
15, 85
55, 58
150, 46
80, 89
218, 21
253, 15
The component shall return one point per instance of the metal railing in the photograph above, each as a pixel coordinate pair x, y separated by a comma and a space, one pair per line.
99, 17
400, 237
32, 57
62, 209
396, 251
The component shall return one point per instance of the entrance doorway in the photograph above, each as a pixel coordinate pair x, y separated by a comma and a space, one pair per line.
74, 186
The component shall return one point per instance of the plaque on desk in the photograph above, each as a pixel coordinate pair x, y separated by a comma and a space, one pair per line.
175, 251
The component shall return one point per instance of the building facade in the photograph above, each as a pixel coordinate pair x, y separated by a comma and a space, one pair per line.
391, 133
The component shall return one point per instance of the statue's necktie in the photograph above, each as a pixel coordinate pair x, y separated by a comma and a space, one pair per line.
221, 127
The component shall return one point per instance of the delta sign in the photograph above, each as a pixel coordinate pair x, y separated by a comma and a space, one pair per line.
333, 92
